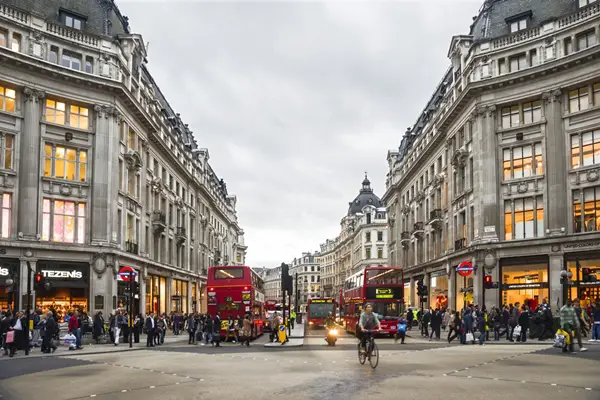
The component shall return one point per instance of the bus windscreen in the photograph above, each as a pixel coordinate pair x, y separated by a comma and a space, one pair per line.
320, 310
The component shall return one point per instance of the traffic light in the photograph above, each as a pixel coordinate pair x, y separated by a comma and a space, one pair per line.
287, 283
487, 282
39, 281
419, 288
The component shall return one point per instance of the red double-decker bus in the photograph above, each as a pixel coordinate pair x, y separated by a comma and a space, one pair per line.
317, 311
383, 287
236, 291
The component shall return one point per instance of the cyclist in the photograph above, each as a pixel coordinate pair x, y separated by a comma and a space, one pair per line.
368, 322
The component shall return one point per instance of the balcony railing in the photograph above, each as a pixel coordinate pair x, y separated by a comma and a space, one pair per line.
72, 34
435, 214
131, 247
460, 244
159, 221
418, 230
180, 235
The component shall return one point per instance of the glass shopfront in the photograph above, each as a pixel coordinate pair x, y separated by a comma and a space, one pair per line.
406, 297
587, 291
69, 290
438, 289
194, 297
156, 294
524, 283
179, 296
463, 289
9, 294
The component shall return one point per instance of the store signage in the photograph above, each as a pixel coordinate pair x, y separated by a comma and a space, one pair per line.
465, 268
520, 286
438, 273
579, 245
126, 272
4, 271
62, 274
596, 283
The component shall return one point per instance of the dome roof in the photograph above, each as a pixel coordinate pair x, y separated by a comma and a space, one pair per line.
365, 197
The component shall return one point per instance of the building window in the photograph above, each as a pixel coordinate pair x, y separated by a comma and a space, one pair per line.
6, 215
63, 221
583, 3
524, 218
579, 99
380, 253
596, 89
380, 236
72, 21
131, 139
368, 237
519, 25
589, 219
585, 40
79, 117
55, 111
3, 37
8, 147
16, 42
65, 163
511, 116
585, 149
532, 112
89, 65
523, 162
518, 62
7, 99
368, 253
53, 55
71, 60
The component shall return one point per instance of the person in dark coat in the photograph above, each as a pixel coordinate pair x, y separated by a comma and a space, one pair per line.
4, 327
436, 324
191, 328
18, 325
138, 326
150, 329
524, 322
216, 339
50, 326
208, 329
98, 326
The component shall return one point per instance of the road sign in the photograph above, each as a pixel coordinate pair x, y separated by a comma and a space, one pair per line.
282, 333
465, 268
125, 272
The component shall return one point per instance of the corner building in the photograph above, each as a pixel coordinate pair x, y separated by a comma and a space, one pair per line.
501, 168
97, 171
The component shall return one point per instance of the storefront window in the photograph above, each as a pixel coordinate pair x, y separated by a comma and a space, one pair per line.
464, 290
179, 296
69, 291
525, 284
9, 294
586, 292
407, 293
156, 294
438, 290
194, 297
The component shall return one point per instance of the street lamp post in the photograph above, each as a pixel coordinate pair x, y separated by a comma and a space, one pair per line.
565, 279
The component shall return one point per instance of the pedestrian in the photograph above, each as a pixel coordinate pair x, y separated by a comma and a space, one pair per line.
98, 326
456, 328
410, 316
216, 339
75, 329
482, 327
292, 318
50, 326
150, 330
191, 328
231, 330
524, 323
436, 323
596, 322
208, 328
5, 319
246, 330
402, 326
569, 322
19, 342
115, 326
513, 321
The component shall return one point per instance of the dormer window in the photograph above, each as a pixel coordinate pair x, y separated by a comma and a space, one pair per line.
519, 25
73, 20
519, 22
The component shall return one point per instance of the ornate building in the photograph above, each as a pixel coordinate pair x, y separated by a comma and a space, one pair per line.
98, 172
361, 242
308, 271
272, 278
499, 170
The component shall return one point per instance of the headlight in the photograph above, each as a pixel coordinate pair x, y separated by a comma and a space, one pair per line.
333, 331
310, 323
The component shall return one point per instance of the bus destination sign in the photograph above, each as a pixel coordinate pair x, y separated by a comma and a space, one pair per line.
315, 301
384, 293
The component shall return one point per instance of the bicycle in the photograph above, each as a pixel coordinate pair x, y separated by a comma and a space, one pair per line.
371, 350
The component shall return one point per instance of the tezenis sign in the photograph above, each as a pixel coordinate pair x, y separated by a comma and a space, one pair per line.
62, 274
4, 271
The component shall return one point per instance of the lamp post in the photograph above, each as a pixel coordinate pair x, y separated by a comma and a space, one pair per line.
565, 279
10, 282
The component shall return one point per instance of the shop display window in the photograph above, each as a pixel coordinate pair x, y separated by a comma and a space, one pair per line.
407, 293
62, 300
525, 284
438, 291
464, 291
586, 292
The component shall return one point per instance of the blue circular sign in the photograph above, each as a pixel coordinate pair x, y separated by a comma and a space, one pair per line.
281, 328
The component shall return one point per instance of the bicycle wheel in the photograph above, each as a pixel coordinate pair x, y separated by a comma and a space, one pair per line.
362, 357
374, 358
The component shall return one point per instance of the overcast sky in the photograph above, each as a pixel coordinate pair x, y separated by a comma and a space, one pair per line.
295, 100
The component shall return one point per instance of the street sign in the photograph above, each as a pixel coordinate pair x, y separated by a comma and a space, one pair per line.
465, 268
282, 333
125, 272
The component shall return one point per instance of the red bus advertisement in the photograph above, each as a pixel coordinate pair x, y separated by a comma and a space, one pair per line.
318, 310
383, 287
236, 291
272, 305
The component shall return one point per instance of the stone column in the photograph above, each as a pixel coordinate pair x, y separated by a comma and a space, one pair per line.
555, 157
450, 182
411, 297
168, 294
556, 299
143, 274
21, 302
477, 276
189, 296
29, 167
101, 170
489, 174
451, 286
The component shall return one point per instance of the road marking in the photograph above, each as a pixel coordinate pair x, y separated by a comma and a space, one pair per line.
177, 383
174, 374
588, 388
523, 382
201, 380
444, 375
92, 395
469, 377
553, 384
152, 387
124, 391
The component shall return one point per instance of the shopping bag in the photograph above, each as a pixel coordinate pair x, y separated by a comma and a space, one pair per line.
470, 337
560, 341
517, 331
69, 339
564, 333
10, 337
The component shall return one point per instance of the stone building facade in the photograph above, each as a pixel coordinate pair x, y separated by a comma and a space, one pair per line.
362, 242
309, 279
272, 279
500, 169
98, 171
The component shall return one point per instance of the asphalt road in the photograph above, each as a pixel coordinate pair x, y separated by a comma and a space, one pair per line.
417, 370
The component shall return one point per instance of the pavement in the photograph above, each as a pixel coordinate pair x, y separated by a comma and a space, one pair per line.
419, 369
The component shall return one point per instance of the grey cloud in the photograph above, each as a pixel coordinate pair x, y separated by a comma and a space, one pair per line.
296, 100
